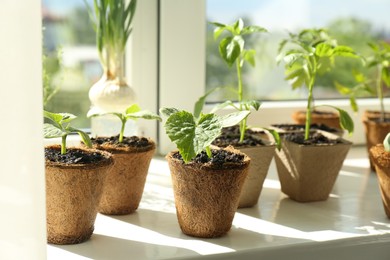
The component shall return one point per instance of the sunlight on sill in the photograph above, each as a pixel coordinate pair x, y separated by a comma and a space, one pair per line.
357, 163
115, 228
269, 228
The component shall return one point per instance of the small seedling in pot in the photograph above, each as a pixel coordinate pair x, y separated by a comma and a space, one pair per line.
314, 53
133, 112
232, 50
192, 134
381, 60
60, 127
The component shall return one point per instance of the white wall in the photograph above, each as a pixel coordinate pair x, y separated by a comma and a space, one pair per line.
22, 189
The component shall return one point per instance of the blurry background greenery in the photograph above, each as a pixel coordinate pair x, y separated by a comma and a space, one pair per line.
71, 63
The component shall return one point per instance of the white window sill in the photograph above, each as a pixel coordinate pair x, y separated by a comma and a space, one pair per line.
351, 224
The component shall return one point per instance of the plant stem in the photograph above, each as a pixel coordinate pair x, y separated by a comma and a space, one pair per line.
122, 130
309, 109
63, 144
239, 77
380, 93
208, 151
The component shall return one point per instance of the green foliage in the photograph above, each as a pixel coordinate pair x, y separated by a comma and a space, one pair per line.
60, 127
313, 53
232, 50
50, 66
112, 23
380, 59
193, 135
133, 112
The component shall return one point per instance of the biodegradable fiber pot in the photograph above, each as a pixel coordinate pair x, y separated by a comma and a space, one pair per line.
308, 172
375, 131
73, 192
261, 157
381, 161
206, 198
125, 182
327, 118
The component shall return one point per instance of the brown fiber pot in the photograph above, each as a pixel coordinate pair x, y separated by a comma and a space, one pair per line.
73, 192
308, 172
330, 119
261, 157
125, 182
375, 131
206, 199
381, 161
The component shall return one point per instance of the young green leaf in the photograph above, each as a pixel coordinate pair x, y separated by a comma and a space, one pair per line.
60, 127
192, 135
198, 107
346, 121
133, 112
167, 111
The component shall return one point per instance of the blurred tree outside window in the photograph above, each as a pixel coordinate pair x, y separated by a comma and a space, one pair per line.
70, 61
351, 22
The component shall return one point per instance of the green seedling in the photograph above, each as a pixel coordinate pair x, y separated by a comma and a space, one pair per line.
60, 127
312, 53
191, 134
232, 50
133, 112
381, 60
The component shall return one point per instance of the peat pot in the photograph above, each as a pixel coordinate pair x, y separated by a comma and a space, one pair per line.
124, 186
73, 192
206, 196
308, 172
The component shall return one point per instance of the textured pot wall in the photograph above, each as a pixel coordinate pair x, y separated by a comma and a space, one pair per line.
308, 173
260, 161
125, 182
381, 161
72, 199
206, 200
375, 131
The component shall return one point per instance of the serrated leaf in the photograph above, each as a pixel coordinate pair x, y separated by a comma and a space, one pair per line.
144, 114
180, 128
50, 131
253, 29
342, 89
167, 111
324, 50
222, 105
209, 127
234, 118
218, 31
345, 51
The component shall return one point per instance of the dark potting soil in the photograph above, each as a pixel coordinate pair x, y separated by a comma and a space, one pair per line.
132, 141
314, 138
297, 127
231, 136
72, 156
218, 158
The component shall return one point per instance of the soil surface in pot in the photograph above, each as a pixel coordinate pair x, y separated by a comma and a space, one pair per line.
132, 141
218, 158
231, 136
298, 127
314, 138
73, 156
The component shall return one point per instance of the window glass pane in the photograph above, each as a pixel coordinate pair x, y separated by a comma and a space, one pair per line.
351, 22
71, 62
